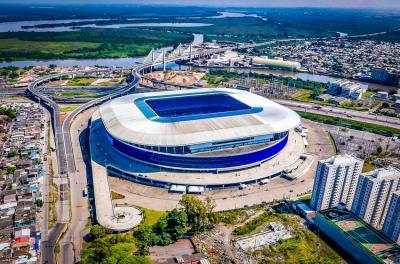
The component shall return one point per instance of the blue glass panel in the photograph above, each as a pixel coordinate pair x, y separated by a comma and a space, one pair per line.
190, 162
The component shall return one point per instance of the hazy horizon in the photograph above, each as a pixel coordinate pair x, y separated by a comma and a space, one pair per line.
364, 4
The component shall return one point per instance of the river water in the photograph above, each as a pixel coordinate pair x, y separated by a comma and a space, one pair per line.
18, 26
322, 78
302, 76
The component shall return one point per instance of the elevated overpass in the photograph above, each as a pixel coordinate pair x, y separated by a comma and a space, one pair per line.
65, 158
64, 151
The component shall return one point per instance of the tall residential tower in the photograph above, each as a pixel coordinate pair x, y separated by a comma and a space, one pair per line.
336, 181
391, 227
373, 194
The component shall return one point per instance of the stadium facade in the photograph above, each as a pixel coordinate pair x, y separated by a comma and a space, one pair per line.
198, 130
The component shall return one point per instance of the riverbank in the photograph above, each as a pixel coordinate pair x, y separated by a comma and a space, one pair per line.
124, 62
87, 43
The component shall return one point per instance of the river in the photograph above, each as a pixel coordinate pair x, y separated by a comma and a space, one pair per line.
323, 79
18, 26
302, 76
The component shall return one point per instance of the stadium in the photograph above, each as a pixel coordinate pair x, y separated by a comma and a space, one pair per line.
199, 130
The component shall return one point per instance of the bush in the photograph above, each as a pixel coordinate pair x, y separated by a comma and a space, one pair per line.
11, 170
98, 231
254, 223
230, 217
168, 228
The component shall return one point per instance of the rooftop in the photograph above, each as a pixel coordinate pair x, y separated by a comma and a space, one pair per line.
384, 173
341, 160
364, 235
179, 118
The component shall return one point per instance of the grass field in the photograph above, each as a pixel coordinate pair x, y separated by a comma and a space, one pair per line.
85, 43
81, 81
23, 49
305, 95
151, 216
68, 108
56, 47
116, 196
75, 93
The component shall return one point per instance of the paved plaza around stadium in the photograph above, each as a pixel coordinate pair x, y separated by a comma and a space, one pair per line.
157, 198
160, 199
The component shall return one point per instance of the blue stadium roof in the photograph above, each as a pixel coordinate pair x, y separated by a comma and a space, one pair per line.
188, 117
183, 107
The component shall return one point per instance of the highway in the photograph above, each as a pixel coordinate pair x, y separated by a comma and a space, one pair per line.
343, 113
65, 158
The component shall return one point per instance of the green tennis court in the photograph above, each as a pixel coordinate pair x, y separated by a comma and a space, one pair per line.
364, 235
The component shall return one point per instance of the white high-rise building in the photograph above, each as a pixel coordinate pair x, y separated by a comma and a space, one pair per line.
391, 227
336, 181
372, 197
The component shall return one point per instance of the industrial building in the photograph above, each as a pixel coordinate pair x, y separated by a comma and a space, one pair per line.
347, 89
336, 181
198, 130
275, 64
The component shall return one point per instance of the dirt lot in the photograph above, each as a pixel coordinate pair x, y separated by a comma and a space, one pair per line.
178, 77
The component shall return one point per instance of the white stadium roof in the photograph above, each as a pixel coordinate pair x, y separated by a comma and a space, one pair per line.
125, 121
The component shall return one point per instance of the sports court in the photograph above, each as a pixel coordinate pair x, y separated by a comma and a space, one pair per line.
364, 235
356, 236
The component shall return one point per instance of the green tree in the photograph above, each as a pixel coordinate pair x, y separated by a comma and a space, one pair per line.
39, 203
99, 250
12, 153
98, 231
177, 224
145, 237
11, 170
14, 75
161, 230
199, 213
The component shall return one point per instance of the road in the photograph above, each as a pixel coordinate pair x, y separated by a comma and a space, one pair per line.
344, 113
65, 157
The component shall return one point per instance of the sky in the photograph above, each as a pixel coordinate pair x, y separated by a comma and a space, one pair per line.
240, 3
